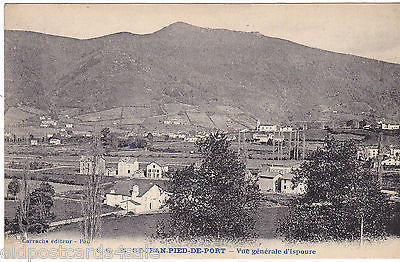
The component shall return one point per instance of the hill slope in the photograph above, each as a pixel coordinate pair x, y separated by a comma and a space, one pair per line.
267, 78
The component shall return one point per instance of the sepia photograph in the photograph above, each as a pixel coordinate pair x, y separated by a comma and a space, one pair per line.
201, 131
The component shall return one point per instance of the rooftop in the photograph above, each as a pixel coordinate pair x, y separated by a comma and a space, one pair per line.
124, 187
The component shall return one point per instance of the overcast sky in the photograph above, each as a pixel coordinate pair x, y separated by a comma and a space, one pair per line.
367, 30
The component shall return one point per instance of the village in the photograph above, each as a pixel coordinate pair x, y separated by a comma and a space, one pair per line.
136, 176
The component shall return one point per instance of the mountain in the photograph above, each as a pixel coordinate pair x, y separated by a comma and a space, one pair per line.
264, 78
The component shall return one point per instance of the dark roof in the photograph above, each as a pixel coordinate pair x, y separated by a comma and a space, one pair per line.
132, 201
268, 174
124, 187
159, 162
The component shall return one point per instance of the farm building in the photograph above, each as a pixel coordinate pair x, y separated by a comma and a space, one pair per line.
137, 196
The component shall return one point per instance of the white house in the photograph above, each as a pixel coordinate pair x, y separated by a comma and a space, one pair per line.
137, 196
68, 125
87, 163
34, 142
266, 127
279, 183
127, 166
156, 170
55, 141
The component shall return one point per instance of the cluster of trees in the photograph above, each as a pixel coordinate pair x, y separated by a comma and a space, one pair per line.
343, 200
216, 200
34, 209
110, 141
13, 188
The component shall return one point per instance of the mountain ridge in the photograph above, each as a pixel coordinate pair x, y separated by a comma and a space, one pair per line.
197, 66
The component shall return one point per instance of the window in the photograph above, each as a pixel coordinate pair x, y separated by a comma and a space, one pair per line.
129, 171
154, 166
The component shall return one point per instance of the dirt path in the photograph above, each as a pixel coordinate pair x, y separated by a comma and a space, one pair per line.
80, 219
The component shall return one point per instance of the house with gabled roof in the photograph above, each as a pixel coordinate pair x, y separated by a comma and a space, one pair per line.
156, 169
138, 196
277, 177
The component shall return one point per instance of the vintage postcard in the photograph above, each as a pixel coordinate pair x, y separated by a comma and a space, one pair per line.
201, 131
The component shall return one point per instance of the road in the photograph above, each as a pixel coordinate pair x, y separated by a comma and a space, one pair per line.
80, 219
36, 170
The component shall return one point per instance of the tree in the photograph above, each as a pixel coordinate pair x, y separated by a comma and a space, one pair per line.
13, 187
34, 214
109, 140
91, 202
215, 200
343, 200
41, 202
